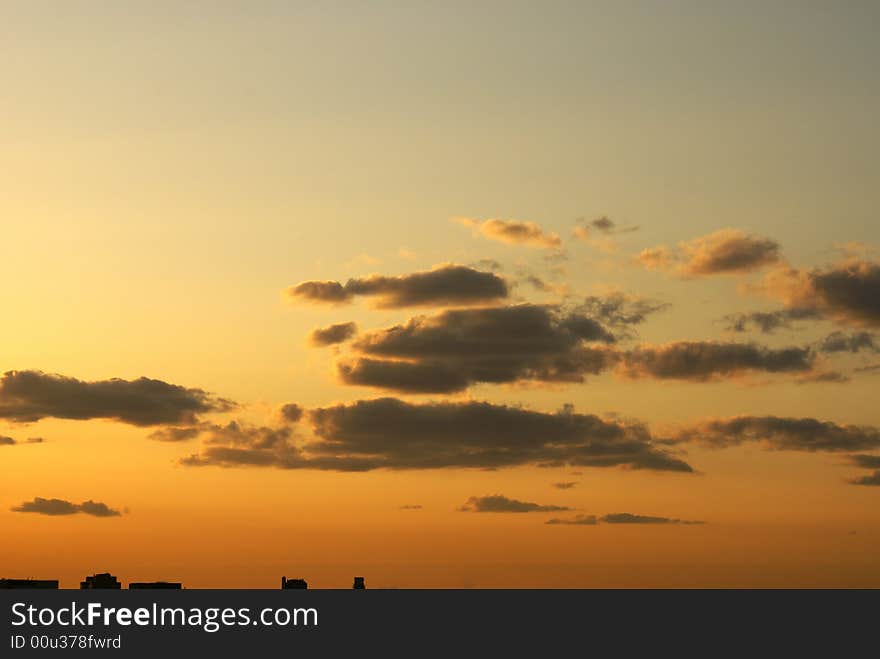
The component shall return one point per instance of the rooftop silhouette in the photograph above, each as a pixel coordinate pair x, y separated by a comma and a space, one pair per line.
45, 584
100, 580
293, 584
359, 584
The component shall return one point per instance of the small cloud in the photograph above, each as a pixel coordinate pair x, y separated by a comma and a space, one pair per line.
872, 479
513, 232
445, 285
599, 233
9, 441
630, 518
59, 507
291, 412
411, 506
498, 503
175, 434
855, 342
567, 485
407, 254
727, 251
332, 334
577, 520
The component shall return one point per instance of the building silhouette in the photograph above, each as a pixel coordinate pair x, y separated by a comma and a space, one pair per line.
101, 580
45, 584
155, 585
293, 584
359, 584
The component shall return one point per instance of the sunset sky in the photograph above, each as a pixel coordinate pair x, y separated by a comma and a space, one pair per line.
494, 294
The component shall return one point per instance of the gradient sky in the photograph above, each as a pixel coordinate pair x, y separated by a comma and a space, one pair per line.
171, 168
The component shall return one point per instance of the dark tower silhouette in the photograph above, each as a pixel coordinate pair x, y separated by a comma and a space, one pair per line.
293, 584
155, 585
101, 580
50, 584
359, 584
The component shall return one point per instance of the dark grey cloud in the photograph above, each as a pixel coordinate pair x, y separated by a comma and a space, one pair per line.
411, 506
7, 441
449, 351
27, 396
338, 333
709, 360
727, 251
620, 311
448, 285
601, 225
781, 434
866, 461
175, 433
498, 503
291, 412
456, 349
848, 292
577, 520
56, 507
567, 485
394, 434
870, 479
769, 321
618, 518
432, 377
630, 518
823, 377
842, 342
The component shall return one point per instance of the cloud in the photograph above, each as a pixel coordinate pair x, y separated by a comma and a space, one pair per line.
620, 310
565, 486
781, 434
726, 251
855, 342
629, 518
769, 321
291, 412
56, 507
394, 434
410, 506
823, 377
577, 520
338, 333
455, 349
848, 292
618, 518
27, 396
9, 441
866, 461
446, 285
599, 232
513, 232
710, 360
449, 351
175, 434
498, 503
870, 368
870, 479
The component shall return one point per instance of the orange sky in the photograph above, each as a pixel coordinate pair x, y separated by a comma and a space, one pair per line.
593, 245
